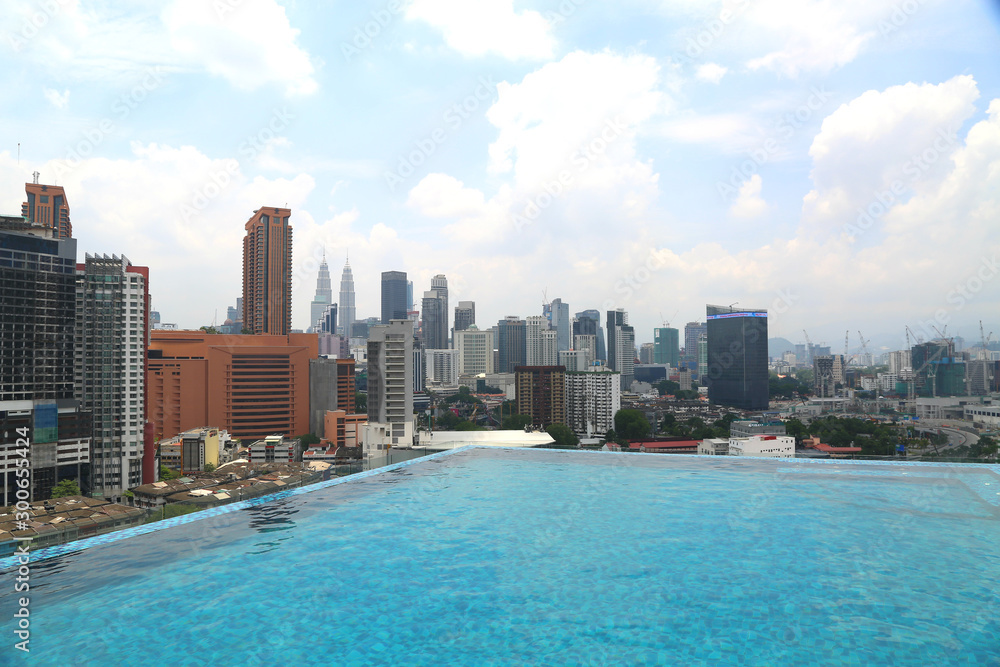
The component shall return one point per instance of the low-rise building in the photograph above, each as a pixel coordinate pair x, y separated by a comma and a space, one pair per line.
775, 446
192, 450
275, 449
62, 520
714, 447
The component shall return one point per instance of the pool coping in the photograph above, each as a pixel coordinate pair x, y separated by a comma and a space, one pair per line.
9, 562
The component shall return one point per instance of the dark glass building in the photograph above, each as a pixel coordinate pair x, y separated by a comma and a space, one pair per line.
512, 344
394, 306
737, 357
582, 328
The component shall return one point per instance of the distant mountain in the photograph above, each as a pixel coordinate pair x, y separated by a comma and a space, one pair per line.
777, 347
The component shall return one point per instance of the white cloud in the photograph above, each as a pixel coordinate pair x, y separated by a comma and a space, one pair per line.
711, 72
749, 203
481, 27
57, 99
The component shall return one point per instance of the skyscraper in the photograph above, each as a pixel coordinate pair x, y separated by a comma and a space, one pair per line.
267, 272
691, 332
475, 350
394, 305
621, 347
737, 357
347, 311
534, 325
112, 307
465, 315
597, 330
541, 394
666, 346
390, 377
511, 344
46, 205
559, 322
323, 298
434, 309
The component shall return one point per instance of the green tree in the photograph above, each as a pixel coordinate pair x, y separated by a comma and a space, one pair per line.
209, 330
667, 387
515, 422
168, 473
360, 402
795, 427
466, 425
306, 439
209, 467
67, 487
563, 435
631, 424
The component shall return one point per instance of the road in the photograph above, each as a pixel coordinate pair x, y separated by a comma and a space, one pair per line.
956, 437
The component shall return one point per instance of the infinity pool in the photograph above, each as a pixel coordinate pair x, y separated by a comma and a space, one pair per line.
506, 557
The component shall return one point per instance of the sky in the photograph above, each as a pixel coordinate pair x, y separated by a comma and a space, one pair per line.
836, 162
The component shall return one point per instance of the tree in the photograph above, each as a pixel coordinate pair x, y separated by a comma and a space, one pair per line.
360, 402
306, 439
795, 427
631, 424
515, 422
67, 487
168, 473
666, 387
466, 425
209, 467
563, 435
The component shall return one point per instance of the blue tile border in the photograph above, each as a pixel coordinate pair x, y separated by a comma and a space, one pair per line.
11, 562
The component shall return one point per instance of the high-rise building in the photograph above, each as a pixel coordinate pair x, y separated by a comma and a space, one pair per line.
574, 360
46, 205
691, 332
348, 312
586, 343
541, 394
666, 346
441, 367
823, 380
558, 316
465, 315
37, 339
534, 325
323, 298
737, 357
112, 307
267, 272
598, 331
434, 308
646, 353
410, 303
702, 355
511, 344
394, 305
390, 378
252, 386
592, 400
327, 323
550, 347
475, 350
621, 347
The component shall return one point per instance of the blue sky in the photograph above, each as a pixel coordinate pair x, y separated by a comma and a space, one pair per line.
835, 162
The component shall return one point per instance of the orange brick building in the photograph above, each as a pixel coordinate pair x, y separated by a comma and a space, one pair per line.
267, 272
252, 386
47, 206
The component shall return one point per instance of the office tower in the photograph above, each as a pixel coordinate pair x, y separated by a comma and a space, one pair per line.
666, 346
541, 394
586, 343
534, 325
331, 387
737, 357
390, 377
112, 307
691, 332
267, 272
348, 312
598, 331
702, 355
511, 344
323, 298
46, 206
410, 303
823, 381
574, 360
37, 312
621, 347
327, 322
646, 353
251, 386
419, 367
592, 400
434, 309
550, 347
475, 350
394, 305
558, 313
465, 315
441, 367
37, 327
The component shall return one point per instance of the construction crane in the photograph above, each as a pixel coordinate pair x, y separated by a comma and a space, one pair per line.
913, 372
666, 323
864, 347
809, 347
987, 366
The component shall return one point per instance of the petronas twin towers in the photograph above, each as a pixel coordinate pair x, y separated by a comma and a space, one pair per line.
322, 304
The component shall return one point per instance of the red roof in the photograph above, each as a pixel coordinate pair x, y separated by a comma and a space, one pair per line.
836, 450
656, 444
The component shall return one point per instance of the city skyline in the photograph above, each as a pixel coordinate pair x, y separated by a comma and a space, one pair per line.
842, 183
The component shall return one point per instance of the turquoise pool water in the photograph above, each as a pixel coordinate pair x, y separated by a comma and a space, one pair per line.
532, 557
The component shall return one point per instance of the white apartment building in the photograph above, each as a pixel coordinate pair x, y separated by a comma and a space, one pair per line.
441, 367
475, 351
774, 446
592, 399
